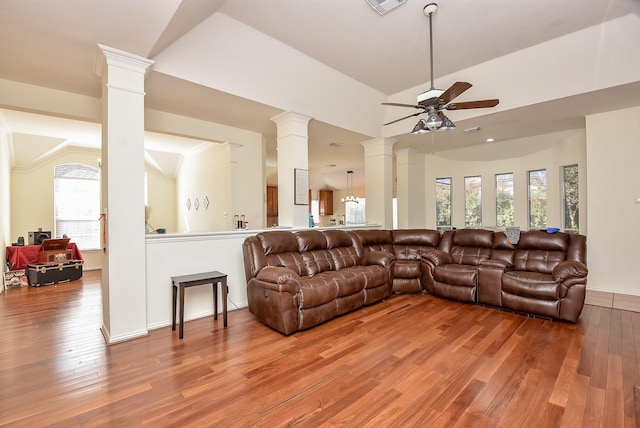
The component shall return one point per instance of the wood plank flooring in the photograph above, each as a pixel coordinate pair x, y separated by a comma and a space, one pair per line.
412, 360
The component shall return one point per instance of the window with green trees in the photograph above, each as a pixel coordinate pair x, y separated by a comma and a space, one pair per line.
538, 199
443, 203
571, 198
76, 201
473, 201
504, 199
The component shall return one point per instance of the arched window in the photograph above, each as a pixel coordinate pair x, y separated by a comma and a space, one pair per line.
77, 204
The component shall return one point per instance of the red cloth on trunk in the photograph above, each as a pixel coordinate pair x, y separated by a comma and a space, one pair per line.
20, 257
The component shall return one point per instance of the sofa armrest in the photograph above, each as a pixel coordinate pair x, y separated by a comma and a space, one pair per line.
496, 264
279, 279
569, 269
382, 258
437, 257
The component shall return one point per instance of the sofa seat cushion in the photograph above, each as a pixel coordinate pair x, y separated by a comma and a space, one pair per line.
348, 281
455, 274
371, 276
407, 269
317, 290
530, 284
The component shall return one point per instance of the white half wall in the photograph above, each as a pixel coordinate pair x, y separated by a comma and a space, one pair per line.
173, 255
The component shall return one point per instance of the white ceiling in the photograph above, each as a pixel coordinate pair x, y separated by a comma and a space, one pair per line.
53, 44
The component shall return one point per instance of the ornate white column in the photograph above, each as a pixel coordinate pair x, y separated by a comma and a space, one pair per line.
410, 189
124, 303
293, 154
378, 170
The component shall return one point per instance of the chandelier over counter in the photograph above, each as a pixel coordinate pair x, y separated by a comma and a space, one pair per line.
350, 197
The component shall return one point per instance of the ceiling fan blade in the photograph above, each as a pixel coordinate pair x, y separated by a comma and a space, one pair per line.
403, 118
403, 105
455, 90
472, 104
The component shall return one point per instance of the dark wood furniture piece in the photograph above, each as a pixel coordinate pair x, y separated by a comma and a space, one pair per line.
326, 202
183, 281
272, 201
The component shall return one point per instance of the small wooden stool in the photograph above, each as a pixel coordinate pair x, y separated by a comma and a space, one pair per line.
181, 282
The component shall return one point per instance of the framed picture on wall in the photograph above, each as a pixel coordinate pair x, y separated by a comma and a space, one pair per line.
301, 186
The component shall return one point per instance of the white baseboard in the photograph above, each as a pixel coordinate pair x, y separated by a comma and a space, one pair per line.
610, 299
121, 338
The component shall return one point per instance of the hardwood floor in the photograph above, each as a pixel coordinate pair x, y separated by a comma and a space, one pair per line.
413, 360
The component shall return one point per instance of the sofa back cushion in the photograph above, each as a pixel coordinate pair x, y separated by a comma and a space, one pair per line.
374, 240
342, 249
577, 250
253, 255
281, 249
421, 237
312, 245
471, 246
413, 243
539, 251
502, 249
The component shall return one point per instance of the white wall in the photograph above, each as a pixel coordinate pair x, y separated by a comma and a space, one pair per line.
32, 190
296, 87
232, 179
5, 191
248, 183
549, 151
613, 152
204, 173
161, 197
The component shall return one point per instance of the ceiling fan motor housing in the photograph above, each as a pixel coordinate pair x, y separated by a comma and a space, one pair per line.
429, 96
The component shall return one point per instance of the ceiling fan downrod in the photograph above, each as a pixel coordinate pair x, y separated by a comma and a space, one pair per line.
429, 10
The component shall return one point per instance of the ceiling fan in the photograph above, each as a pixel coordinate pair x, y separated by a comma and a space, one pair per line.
435, 100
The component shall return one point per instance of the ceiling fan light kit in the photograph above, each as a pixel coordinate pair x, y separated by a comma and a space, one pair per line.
447, 124
420, 128
433, 101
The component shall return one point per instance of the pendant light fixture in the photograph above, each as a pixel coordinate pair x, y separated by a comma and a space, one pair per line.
350, 197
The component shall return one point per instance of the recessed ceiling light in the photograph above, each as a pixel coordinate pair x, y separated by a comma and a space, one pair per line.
489, 140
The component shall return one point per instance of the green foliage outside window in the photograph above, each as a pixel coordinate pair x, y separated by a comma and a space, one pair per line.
538, 199
504, 200
571, 198
443, 203
472, 201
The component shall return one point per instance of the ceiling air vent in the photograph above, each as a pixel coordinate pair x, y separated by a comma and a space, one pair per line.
384, 6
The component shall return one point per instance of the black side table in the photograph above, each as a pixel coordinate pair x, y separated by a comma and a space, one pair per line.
181, 282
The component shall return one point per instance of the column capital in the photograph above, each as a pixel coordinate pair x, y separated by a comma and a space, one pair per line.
290, 116
228, 146
291, 124
379, 146
118, 58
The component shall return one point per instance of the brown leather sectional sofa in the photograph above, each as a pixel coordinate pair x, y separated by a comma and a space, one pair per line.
296, 280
